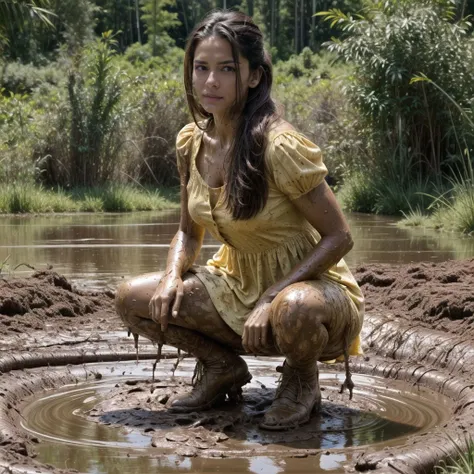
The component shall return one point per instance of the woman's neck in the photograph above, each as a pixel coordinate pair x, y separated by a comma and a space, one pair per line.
225, 130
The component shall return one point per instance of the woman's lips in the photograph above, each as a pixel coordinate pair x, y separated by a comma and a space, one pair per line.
212, 98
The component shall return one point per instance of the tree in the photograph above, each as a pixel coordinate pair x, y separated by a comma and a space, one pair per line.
415, 125
16, 14
159, 19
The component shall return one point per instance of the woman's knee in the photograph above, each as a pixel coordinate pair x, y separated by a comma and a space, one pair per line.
298, 305
132, 297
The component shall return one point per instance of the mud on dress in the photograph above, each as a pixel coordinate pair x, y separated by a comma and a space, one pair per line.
257, 252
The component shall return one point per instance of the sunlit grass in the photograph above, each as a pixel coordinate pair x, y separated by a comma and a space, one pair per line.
358, 194
27, 198
415, 218
462, 462
457, 212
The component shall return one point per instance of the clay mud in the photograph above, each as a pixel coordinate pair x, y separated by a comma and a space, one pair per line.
73, 398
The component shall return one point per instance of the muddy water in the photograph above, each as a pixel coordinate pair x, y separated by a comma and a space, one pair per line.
99, 250
108, 427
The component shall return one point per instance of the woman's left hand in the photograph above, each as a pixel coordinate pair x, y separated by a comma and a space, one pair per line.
257, 329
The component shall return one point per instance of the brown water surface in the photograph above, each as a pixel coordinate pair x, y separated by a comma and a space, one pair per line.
119, 439
99, 250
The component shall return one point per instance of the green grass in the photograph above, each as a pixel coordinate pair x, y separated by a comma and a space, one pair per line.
415, 218
358, 194
27, 198
462, 462
456, 212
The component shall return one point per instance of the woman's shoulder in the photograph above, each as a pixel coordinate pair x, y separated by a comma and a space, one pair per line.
282, 137
184, 139
186, 132
279, 127
283, 134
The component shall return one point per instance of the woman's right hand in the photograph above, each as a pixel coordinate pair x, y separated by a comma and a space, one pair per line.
169, 294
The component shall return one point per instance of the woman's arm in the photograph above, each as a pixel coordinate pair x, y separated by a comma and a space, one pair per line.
183, 252
322, 211
320, 208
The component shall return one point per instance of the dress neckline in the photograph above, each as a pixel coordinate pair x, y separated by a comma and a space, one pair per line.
195, 154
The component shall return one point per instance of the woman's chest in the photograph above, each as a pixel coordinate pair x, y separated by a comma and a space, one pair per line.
211, 165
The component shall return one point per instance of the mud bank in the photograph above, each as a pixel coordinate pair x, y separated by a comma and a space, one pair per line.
419, 329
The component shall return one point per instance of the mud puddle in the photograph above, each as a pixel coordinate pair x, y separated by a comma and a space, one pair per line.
119, 423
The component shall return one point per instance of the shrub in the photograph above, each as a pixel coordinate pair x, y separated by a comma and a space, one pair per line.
358, 194
24, 78
388, 45
315, 105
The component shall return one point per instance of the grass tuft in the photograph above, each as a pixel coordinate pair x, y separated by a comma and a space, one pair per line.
462, 462
358, 194
415, 218
27, 198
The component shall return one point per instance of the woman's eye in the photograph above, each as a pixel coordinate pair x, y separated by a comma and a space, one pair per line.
200, 68
228, 69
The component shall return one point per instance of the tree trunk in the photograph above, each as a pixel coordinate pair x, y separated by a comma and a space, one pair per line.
250, 7
302, 25
137, 14
130, 19
296, 26
154, 28
185, 16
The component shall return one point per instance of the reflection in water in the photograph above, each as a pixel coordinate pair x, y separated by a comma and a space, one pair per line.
379, 416
260, 464
101, 249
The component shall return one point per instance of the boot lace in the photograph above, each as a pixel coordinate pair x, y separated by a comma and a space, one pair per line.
291, 383
198, 374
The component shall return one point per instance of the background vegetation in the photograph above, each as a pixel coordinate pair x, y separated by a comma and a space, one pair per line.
92, 95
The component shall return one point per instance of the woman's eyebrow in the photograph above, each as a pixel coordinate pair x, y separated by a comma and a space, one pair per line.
227, 61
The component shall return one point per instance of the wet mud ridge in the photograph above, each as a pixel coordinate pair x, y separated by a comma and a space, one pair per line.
70, 388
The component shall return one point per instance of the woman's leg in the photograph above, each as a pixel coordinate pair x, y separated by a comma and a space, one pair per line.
198, 330
310, 321
197, 311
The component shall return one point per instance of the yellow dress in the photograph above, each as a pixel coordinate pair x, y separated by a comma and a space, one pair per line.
257, 252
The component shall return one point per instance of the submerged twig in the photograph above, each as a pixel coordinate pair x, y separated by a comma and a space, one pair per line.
178, 360
158, 358
135, 338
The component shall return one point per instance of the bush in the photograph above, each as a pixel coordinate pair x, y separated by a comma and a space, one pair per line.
315, 105
24, 78
358, 194
161, 112
390, 44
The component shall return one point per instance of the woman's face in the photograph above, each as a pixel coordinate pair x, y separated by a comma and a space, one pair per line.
215, 76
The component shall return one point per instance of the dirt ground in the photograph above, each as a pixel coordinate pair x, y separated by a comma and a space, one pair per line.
38, 311
434, 295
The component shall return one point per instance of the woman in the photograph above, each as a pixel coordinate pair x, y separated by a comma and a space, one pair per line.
278, 284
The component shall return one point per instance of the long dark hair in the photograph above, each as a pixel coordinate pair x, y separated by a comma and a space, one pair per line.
246, 189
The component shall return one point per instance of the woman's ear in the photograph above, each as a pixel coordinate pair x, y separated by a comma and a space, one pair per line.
255, 77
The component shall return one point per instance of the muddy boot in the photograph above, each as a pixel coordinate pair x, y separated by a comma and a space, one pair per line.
296, 397
219, 371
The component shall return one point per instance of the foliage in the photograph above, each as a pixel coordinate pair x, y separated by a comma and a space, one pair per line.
94, 121
162, 112
308, 87
23, 198
14, 14
358, 193
16, 138
391, 43
159, 20
385, 190
462, 462
24, 78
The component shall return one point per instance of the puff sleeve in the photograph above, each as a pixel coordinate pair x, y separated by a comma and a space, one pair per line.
295, 164
184, 145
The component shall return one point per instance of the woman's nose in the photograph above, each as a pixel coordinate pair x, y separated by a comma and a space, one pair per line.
212, 79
